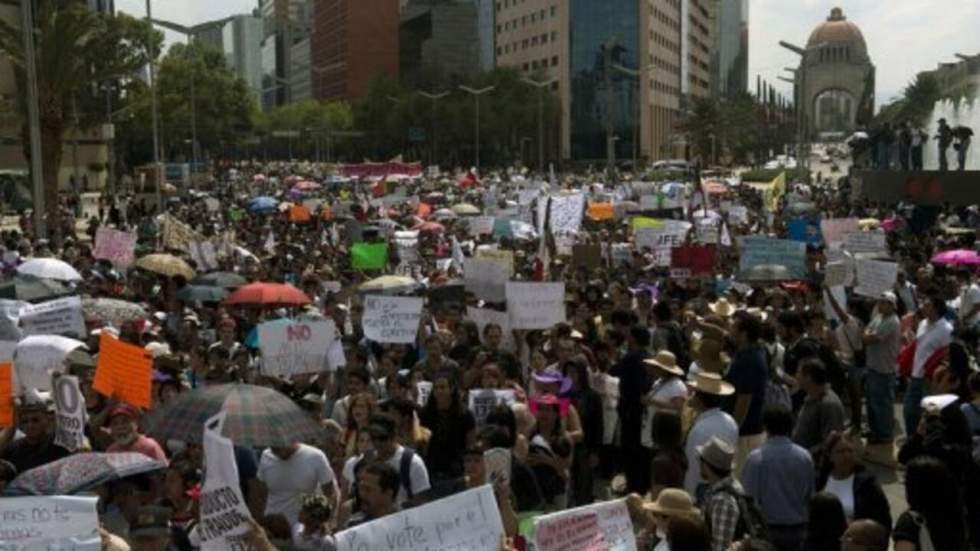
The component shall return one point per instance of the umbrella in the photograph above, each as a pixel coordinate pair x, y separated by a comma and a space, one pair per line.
714, 187
269, 294
202, 293
165, 264
430, 227
466, 208
957, 257
766, 272
868, 223
390, 284
306, 185
49, 268
228, 280
262, 203
111, 310
444, 214
256, 416
32, 289
80, 472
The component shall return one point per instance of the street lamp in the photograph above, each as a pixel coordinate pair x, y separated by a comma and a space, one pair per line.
433, 97
33, 116
541, 86
158, 173
476, 96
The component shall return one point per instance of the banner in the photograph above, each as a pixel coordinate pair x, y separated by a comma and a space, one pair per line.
481, 225
834, 229
61, 316
875, 277
601, 211
115, 246
506, 258
660, 240
123, 371
391, 319
468, 520
692, 260
6, 395
641, 222
766, 251
866, 242
577, 532
614, 522
486, 278
49, 522
71, 413
223, 514
292, 348
535, 305
485, 316
482, 401
369, 256
566, 212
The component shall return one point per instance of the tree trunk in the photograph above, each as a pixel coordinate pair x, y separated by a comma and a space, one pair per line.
51, 150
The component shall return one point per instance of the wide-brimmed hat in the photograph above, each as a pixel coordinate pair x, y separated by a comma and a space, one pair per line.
711, 383
673, 502
717, 453
666, 361
710, 355
722, 307
551, 376
151, 522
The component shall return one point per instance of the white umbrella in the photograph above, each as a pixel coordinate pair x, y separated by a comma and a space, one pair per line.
37, 356
49, 268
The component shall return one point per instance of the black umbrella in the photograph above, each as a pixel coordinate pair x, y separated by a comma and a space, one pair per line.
228, 280
32, 289
202, 293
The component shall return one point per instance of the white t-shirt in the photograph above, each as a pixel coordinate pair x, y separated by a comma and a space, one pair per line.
305, 472
418, 475
929, 337
969, 299
713, 422
844, 490
662, 391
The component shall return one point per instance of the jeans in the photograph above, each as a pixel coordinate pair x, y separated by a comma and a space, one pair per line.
880, 396
961, 155
912, 407
943, 161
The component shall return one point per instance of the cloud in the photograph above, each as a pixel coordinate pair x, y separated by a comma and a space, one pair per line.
186, 12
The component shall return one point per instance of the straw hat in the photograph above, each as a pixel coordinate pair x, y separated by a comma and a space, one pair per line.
717, 453
711, 383
666, 361
711, 356
672, 502
723, 308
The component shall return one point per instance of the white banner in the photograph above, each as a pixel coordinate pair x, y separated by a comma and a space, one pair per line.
535, 305
486, 278
875, 277
298, 347
482, 401
662, 239
481, 225
71, 413
865, 242
468, 520
224, 515
61, 316
566, 212
391, 319
614, 521
49, 522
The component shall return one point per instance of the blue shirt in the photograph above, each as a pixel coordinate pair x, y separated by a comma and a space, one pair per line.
780, 477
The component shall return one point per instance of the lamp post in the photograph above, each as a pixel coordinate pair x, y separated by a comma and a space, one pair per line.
158, 172
434, 97
33, 116
476, 96
541, 86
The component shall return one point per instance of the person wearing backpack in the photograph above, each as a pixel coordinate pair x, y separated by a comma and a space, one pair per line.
412, 474
725, 506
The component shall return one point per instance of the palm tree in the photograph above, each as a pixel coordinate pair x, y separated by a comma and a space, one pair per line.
76, 49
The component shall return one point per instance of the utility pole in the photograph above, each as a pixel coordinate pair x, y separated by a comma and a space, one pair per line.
34, 118
476, 96
541, 86
158, 168
434, 97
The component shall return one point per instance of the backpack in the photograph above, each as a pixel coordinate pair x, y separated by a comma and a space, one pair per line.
751, 523
404, 474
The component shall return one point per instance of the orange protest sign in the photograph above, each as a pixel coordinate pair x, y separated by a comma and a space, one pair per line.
299, 213
600, 211
6, 395
124, 371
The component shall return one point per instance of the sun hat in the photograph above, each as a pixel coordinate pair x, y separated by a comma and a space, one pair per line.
717, 453
711, 383
551, 376
710, 355
673, 502
666, 361
723, 308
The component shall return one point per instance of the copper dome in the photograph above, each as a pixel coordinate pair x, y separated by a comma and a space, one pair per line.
837, 30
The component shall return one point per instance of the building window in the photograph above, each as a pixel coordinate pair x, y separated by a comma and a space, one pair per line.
534, 17
524, 44
534, 64
554, 11
500, 50
534, 41
544, 38
554, 36
524, 66
554, 61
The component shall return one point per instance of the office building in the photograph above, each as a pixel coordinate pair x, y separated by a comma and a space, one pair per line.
353, 41
287, 23
440, 39
730, 59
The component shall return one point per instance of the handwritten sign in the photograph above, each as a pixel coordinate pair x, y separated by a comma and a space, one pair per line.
875, 277
765, 251
485, 316
486, 278
176, 234
838, 273
566, 212
61, 316
535, 305
468, 520
481, 225
503, 257
49, 522
834, 229
123, 371
865, 242
482, 401
407, 244
578, 532
291, 348
115, 246
6, 395
661, 239
614, 522
498, 464
70, 413
224, 515
392, 319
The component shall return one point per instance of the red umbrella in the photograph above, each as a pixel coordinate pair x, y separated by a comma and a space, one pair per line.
430, 227
269, 294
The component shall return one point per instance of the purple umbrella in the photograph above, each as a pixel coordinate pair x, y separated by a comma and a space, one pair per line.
957, 257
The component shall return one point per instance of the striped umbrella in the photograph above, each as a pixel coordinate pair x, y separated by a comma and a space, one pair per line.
80, 472
257, 416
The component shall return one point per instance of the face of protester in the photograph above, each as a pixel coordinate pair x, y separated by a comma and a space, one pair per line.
384, 445
844, 457
360, 411
364, 443
475, 469
566, 347
36, 425
547, 416
374, 500
434, 348
493, 337
355, 385
123, 429
442, 392
538, 361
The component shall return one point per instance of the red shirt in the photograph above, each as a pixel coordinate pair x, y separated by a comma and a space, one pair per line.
144, 445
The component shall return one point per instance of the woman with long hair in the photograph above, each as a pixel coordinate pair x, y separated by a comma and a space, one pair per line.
361, 407
842, 475
452, 427
550, 453
934, 519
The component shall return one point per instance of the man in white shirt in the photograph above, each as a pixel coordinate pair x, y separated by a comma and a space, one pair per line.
709, 390
413, 475
934, 334
291, 472
969, 312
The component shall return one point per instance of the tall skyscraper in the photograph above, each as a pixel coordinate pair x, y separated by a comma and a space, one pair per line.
441, 38
287, 23
730, 62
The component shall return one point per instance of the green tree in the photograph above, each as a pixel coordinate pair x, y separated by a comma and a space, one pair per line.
75, 50
700, 123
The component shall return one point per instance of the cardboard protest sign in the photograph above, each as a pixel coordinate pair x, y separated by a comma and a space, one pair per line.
660, 240
124, 371
587, 256
481, 225
806, 230
10, 319
292, 348
468, 520
614, 522
37, 357
50, 522
766, 251
503, 257
369, 256
485, 316
61, 316
577, 532
834, 229
866, 242
70, 413
391, 319
600, 212
875, 277
566, 212
535, 305
115, 246
486, 278
837, 273
6, 395
299, 214
692, 260
482, 401
224, 515
176, 234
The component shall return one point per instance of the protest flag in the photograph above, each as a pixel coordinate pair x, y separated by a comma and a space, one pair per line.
775, 191
369, 256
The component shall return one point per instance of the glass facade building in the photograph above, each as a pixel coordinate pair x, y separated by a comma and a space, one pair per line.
598, 97
730, 60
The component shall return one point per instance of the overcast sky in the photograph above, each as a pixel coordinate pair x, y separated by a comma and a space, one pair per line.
903, 36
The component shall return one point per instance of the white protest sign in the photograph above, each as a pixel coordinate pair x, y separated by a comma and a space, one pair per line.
481, 225
424, 391
204, 255
708, 230
468, 520
875, 277
224, 515
834, 229
566, 212
115, 246
840, 295
392, 319
10, 319
49, 522
535, 305
485, 316
649, 202
71, 413
578, 532
486, 278
482, 401
497, 462
407, 243
837, 274
38, 356
212, 204
295, 347
661, 239
738, 214
621, 253
503, 257
614, 521
54, 317
865, 242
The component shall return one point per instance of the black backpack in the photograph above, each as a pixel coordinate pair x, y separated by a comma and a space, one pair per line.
751, 523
